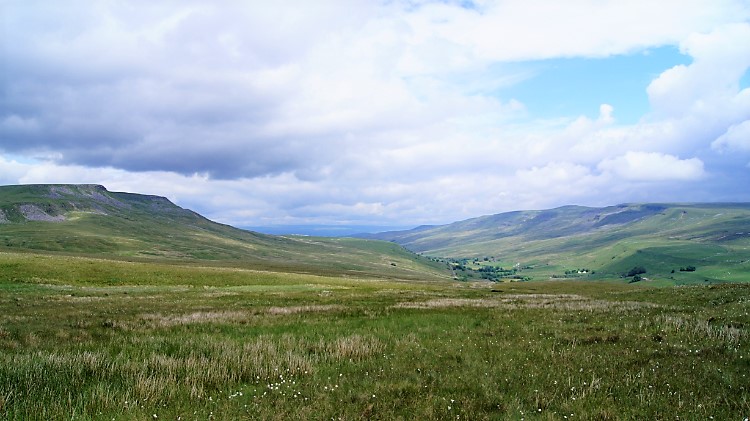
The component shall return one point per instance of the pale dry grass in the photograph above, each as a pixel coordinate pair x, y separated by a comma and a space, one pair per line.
78, 299
197, 317
698, 329
219, 294
569, 302
352, 348
304, 309
225, 316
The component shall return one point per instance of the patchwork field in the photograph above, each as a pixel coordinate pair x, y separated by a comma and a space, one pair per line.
84, 338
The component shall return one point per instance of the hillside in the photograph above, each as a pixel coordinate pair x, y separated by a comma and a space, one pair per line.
610, 241
90, 220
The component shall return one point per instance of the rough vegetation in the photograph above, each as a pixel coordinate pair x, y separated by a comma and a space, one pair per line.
215, 343
128, 307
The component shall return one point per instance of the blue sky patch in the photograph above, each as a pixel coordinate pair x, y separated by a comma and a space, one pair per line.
578, 86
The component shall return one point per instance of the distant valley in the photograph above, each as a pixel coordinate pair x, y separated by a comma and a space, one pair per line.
658, 244
574, 241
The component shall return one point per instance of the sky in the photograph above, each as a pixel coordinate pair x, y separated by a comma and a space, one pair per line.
379, 113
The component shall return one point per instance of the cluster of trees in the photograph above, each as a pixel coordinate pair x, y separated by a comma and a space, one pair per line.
491, 273
637, 270
494, 273
636, 273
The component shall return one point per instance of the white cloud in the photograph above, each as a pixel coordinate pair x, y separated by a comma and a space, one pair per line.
736, 138
720, 58
605, 114
539, 29
355, 110
653, 166
563, 175
11, 170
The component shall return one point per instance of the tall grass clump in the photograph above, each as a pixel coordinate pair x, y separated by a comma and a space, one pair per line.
160, 370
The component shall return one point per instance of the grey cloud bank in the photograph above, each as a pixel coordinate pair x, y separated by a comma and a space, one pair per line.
364, 112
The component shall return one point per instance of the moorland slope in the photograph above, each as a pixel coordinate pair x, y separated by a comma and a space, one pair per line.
714, 237
90, 220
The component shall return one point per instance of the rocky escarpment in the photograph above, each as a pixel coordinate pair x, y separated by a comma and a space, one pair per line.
60, 202
35, 213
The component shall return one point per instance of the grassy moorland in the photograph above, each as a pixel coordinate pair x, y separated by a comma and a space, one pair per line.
121, 306
90, 220
91, 338
662, 238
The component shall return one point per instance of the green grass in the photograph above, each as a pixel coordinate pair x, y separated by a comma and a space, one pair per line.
134, 308
119, 237
84, 338
715, 238
135, 227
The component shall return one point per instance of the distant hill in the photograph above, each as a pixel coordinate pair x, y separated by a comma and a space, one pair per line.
90, 220
611, 240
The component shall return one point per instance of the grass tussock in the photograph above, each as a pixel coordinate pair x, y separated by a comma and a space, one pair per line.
164, 370
698, 329
352, 348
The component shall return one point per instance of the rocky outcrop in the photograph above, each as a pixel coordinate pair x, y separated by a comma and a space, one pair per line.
35, 213
68, 202
94, 192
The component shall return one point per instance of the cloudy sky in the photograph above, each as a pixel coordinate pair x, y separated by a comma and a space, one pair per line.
368, 112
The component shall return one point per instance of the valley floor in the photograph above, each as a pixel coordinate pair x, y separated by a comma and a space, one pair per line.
96, 339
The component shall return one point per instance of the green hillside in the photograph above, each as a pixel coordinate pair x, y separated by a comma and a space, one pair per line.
90, 220
662, 238
118, 306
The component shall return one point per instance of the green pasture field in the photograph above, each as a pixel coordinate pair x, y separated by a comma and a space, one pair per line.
100, 339
713, 238
714, 263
